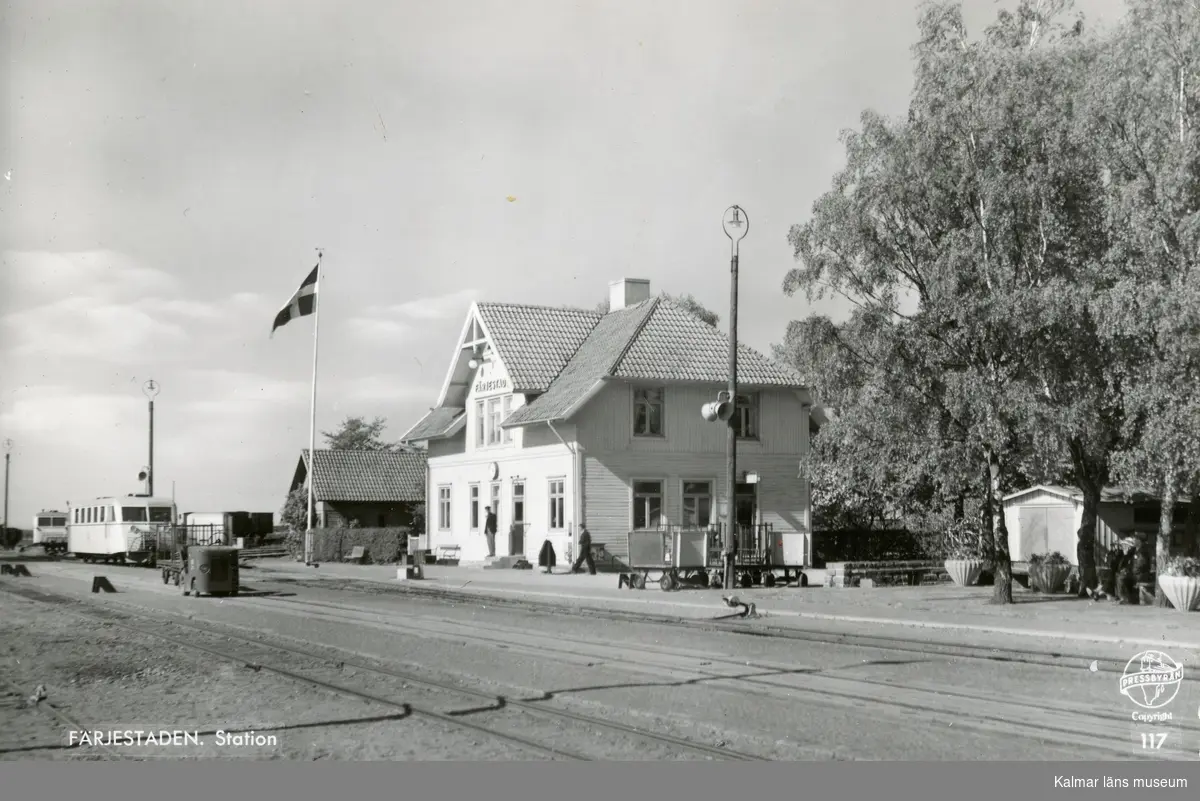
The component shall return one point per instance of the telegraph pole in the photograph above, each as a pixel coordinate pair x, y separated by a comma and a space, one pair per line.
151, 389
8, 446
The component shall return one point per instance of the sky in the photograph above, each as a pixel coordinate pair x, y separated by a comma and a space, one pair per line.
170, 170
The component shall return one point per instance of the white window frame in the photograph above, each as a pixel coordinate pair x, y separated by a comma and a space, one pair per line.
445, 506
496, 496
639, 397
473, 505
684, 495
494, 418
556, 503
480, 424
748, 415
506, 436
634, 497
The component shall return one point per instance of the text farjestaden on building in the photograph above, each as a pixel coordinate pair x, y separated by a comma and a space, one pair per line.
557, 416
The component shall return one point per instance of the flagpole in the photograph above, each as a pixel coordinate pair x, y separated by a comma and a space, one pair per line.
312, 423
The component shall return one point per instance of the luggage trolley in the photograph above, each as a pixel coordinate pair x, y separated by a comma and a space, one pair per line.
676, 555
762, 551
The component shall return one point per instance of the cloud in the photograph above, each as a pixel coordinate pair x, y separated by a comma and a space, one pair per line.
395, 321
387, 387
101, 305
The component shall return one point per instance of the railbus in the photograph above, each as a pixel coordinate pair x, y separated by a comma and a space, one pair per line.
120, 529
50, 530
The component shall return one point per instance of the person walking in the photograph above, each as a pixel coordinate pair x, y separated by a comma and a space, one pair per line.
489, 530
585, 552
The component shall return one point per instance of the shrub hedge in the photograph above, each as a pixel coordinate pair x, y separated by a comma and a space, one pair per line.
383, 545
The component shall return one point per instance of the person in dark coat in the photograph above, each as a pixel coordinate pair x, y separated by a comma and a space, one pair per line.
547, 558
585, 552
489, 530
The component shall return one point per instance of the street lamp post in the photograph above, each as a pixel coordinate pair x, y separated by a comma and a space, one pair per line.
736, 225
8, 446
151, 390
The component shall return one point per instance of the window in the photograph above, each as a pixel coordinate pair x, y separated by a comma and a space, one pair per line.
133, 514
506, 410
647, 504
648, 412
59, 521
496, 499
493, 421
474, 507
697, 503
443, 508
745, 419
480, 425
160, 514
557, 503
518, 500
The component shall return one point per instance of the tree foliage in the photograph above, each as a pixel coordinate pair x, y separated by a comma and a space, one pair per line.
356, 434
1020, 252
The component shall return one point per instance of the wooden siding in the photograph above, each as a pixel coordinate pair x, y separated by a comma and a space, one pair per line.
1038, 498
606, 423
448, 447
608, 500
1111, 520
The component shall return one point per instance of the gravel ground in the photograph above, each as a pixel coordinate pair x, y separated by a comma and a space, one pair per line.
101, 678
793, 700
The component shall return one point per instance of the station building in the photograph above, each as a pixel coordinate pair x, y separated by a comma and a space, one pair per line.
559, 417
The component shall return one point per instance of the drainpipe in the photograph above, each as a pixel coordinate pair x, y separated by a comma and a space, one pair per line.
575, 484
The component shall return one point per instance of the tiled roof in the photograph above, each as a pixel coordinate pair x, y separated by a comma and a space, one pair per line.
675, 345
367, 476
435, 424
536, 342
593, 362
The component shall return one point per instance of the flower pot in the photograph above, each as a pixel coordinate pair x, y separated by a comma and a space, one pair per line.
964, 572
1182, 591
1049, 578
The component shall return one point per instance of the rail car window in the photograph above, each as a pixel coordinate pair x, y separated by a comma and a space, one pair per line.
133, 514
58, 521
44, 521
160, 514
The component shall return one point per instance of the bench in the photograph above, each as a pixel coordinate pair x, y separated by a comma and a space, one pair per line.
447, 554
357, 554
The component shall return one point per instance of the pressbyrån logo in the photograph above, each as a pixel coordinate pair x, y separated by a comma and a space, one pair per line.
1151, 679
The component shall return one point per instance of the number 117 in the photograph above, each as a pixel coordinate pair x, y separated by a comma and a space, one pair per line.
1153, 740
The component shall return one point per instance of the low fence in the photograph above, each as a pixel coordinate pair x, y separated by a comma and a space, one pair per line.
380, 545
913, 573
862, 545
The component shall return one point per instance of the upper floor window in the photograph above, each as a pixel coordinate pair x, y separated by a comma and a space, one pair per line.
745, 418
489, 414
648, 412
506, 410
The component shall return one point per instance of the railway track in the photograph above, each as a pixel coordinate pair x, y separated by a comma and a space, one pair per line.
40, 726
126, 618
909, 645
1024, 717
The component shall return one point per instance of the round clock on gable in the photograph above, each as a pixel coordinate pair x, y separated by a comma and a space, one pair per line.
494, 470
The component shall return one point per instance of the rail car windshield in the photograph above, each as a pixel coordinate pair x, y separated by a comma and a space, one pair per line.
160, 514
52, 521
133, 514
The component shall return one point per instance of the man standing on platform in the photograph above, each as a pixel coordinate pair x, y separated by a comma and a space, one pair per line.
489, 530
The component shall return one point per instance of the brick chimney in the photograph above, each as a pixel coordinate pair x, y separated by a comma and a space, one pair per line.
627, 292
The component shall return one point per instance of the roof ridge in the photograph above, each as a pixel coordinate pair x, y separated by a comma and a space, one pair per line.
546, 306
612, 368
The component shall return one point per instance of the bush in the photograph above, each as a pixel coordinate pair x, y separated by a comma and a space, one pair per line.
861, 545
1048, 572
1182, 566
383, 545
1053, 559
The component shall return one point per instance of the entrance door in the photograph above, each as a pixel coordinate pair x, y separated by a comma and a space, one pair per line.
500, 527
517, 542
746, 514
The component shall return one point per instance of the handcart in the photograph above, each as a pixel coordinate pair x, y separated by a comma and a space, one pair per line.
671, 556
762, 552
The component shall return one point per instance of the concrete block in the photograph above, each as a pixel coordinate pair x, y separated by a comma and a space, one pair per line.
866, 584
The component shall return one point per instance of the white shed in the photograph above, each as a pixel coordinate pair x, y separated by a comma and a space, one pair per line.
1046, 517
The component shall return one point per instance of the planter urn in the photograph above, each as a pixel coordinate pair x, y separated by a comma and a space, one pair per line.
1049, 578
1182, 591
964, 572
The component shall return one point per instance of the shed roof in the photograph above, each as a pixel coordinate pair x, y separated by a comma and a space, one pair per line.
365, 476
